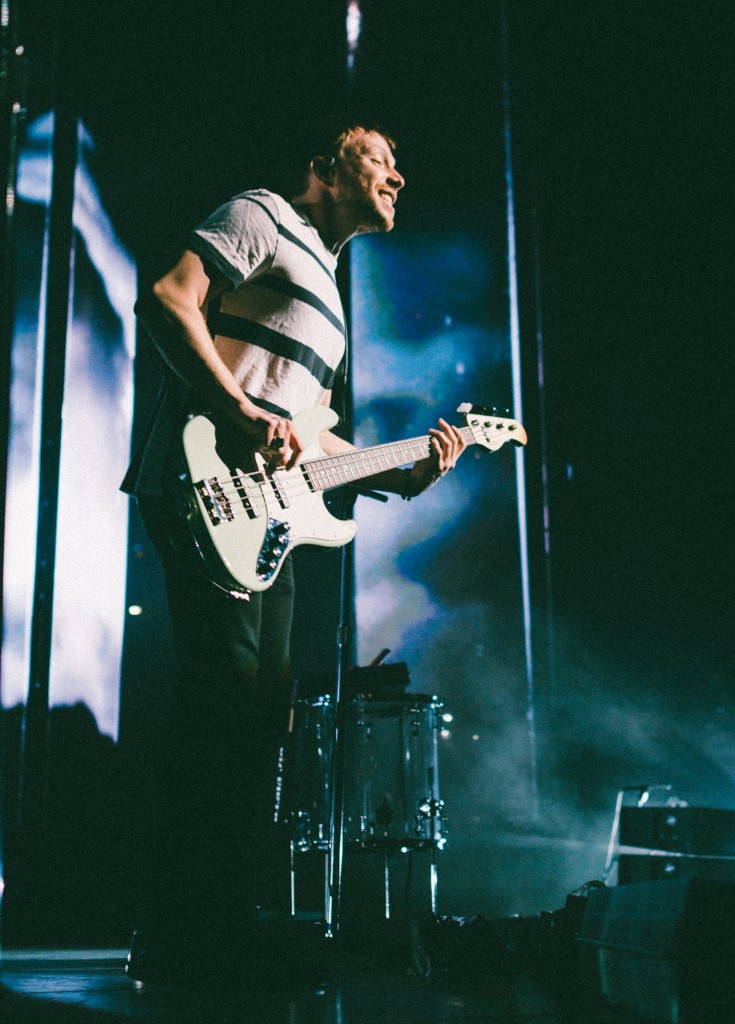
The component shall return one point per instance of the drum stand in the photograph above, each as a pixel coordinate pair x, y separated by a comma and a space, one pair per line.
335, 839
431, 809
295, 854
433, 880
335, 850
421, 830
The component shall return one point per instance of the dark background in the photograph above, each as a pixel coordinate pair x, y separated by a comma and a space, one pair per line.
621, 119
622, 122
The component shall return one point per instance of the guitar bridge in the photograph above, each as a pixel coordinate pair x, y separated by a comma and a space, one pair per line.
216, 503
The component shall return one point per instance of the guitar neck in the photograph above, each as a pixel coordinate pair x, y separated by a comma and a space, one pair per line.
336, 470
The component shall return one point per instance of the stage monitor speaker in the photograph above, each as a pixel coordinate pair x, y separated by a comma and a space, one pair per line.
663, 949
700, 841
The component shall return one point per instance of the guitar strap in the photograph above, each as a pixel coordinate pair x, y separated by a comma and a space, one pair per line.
129, 484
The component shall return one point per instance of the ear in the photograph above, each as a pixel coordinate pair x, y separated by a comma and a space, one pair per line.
323, 167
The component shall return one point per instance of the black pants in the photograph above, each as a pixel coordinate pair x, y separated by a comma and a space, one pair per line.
217, 850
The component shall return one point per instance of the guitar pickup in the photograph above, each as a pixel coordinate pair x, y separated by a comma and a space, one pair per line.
216, 503
307, 478
244, 497
280, 495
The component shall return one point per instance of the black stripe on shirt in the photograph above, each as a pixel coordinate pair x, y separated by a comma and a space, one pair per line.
263, 403
302, 245
242, 329
263, 207
295, 291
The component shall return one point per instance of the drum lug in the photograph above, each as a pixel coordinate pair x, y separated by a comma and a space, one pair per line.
430, 808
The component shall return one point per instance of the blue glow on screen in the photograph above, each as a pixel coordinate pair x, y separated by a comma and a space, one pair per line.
89, 594
432, 574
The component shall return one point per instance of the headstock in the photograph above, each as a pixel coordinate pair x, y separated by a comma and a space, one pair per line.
489, 430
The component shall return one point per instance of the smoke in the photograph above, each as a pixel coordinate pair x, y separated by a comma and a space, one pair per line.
601, 727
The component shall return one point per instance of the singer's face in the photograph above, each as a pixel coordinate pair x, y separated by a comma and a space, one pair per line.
367, 181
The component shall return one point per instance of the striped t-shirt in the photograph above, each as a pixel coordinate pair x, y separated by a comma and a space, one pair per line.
280, 330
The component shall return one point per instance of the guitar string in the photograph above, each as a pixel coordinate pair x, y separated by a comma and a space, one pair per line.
324, 470
345, 461
327, 473
293, 487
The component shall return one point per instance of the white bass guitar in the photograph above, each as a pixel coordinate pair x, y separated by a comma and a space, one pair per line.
244, 520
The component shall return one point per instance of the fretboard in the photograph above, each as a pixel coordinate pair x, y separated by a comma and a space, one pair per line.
336, 470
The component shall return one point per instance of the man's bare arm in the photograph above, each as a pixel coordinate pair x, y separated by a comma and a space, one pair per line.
173, 312
447, 444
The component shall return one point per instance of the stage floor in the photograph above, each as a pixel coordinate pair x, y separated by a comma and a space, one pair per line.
81, 986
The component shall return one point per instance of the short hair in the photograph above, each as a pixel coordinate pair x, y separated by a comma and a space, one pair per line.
327, 140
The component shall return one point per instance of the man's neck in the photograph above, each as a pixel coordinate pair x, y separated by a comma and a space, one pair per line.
330, 222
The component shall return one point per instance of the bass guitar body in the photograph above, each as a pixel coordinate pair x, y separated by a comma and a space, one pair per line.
244, 521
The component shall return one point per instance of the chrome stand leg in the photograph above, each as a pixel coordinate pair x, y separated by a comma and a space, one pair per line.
335, 852
434, 879
293, 877
387, 887
327, 884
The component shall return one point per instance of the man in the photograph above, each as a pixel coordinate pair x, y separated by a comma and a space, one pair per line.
250, 325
